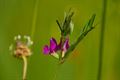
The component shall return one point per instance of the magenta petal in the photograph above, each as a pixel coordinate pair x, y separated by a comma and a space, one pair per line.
66, 45
53, 45
46, 50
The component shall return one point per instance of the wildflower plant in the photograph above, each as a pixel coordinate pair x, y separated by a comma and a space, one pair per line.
63, 49
21, 50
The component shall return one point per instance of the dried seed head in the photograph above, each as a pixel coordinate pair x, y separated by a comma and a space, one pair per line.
21, 50
17, 37
22, 46
29, 41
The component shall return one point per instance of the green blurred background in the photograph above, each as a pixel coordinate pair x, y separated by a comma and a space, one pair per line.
17, 17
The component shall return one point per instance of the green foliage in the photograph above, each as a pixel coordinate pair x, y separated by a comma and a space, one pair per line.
67, 26
87, 28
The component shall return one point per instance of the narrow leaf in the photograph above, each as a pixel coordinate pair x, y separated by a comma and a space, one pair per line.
87, 28
59, 25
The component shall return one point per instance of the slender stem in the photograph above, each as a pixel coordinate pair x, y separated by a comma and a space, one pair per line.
34, 18
99, 77
24, 67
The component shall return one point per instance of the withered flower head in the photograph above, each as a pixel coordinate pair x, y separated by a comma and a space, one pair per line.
21, 47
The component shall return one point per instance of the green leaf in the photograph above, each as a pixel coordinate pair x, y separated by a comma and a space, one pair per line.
89, 23
87, 28
67, 26
59, 25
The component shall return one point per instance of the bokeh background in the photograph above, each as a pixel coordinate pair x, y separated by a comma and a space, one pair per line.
37, 18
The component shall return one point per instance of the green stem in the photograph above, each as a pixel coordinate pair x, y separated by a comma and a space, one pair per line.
34, 19
99, 77
24, 67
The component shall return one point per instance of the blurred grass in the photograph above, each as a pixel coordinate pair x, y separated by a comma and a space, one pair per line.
16, 17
